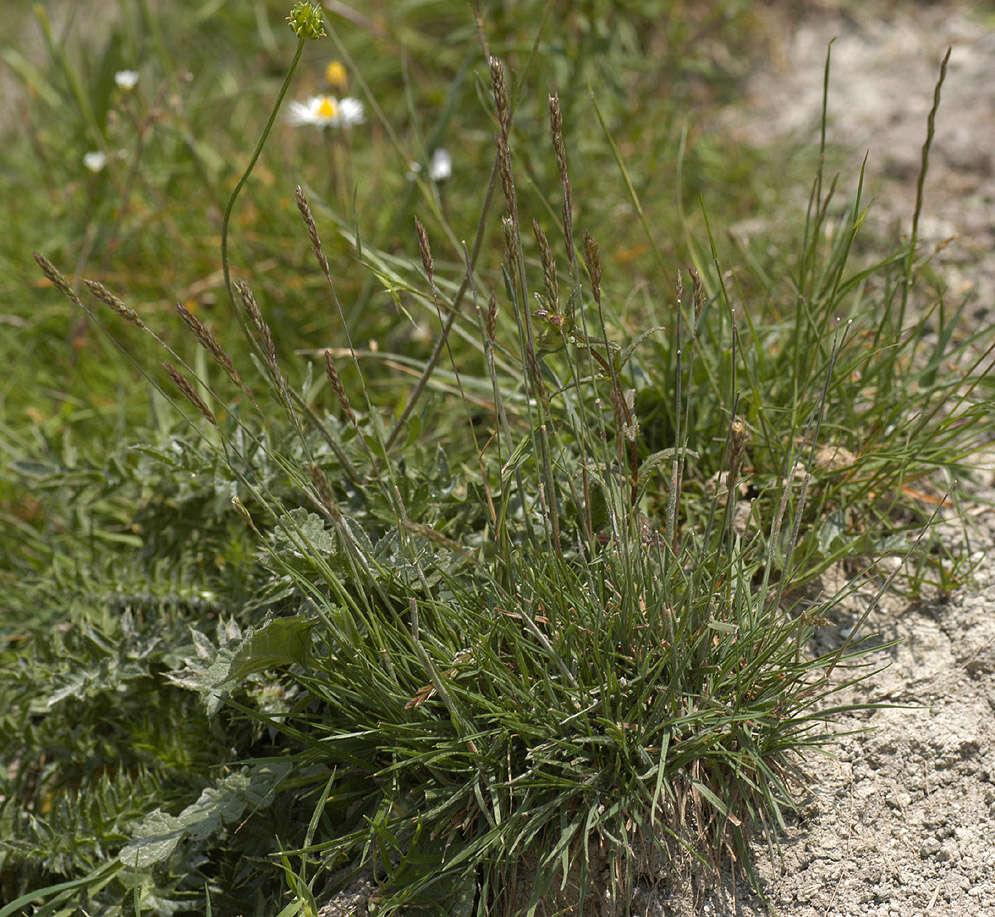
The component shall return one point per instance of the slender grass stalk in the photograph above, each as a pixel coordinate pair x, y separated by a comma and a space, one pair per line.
921, 184
307, 22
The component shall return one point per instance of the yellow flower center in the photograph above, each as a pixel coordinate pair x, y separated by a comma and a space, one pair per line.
327, 108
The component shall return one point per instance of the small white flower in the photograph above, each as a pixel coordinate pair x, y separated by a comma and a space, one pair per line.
327, 111
95, 160
320, 111
126, 79
351, 112
441, 166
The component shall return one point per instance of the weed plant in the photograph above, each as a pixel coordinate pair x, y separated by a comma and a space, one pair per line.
508, 641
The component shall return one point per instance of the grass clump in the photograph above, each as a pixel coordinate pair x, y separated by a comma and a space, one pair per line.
507, 641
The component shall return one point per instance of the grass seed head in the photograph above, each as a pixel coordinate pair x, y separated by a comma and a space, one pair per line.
189, 392
425, 251
59, 280
510, 240
259, 323
312, 230
211, 344
548, 265
504, 119
115, 302
338, 388
559, 148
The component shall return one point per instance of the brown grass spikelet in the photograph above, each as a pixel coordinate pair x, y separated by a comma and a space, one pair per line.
116, 303
424, 250
189, 392
259, 323
548, 265
58, 280
211, 344
510, 240
698, 294
500, 91
559, 148
504, 168
740, 439
504, 119
312, 230
592, 257
336, 382
244, 513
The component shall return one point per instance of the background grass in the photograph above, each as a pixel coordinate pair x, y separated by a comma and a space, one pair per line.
467, 666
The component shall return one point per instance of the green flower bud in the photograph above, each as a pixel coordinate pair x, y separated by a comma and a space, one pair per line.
306, 20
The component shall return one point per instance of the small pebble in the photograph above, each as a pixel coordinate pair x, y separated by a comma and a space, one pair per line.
929, 846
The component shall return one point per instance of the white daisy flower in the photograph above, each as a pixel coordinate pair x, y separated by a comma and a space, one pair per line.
126, 79
95, 160
320, 111
441, 166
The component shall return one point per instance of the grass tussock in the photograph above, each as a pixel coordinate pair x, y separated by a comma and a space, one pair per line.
500, 617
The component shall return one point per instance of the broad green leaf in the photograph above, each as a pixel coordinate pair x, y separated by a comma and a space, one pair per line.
157, 838
281, 641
